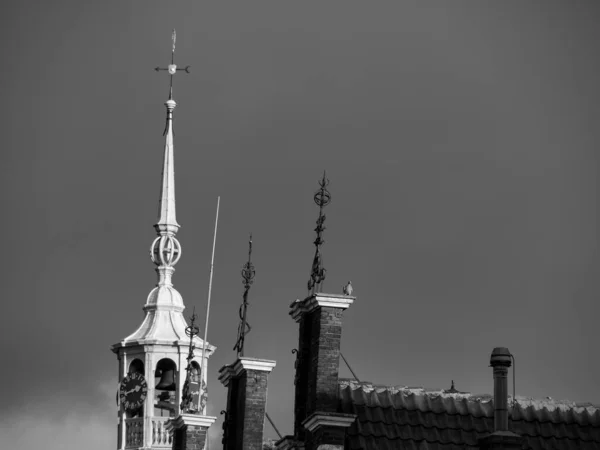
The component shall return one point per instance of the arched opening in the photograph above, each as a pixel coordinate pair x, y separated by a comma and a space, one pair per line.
136, 366
195, 375
165, 379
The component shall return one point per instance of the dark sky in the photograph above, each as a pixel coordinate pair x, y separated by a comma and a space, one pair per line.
461, 142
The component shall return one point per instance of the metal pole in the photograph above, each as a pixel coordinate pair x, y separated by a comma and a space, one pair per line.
273, 425
209, 292
349, 367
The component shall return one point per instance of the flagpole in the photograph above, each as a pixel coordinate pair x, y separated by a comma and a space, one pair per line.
212, 260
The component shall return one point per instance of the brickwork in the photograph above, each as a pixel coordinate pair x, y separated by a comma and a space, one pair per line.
190, 437
255, 403
229, 424
328, 438
301, 378
323, 374
246, 380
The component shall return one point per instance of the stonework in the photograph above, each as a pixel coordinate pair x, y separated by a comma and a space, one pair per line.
322, 387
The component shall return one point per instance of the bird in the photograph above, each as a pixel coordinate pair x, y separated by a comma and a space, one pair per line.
348, 288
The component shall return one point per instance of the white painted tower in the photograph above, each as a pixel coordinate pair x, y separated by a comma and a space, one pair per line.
152, 360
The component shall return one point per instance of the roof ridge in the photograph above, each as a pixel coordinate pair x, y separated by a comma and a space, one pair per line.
520, 399
592, 418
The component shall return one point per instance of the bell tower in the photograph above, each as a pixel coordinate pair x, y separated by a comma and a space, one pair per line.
153, 360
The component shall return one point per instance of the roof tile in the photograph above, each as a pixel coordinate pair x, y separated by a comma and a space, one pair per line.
416, 418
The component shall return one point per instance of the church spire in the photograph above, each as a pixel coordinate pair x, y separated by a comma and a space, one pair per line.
166, 250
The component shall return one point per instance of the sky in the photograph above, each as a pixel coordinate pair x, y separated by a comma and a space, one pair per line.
461, 143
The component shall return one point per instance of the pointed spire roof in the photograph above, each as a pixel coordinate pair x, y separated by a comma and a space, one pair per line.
167, 220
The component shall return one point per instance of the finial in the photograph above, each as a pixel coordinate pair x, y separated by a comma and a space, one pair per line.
172, 68
452, 390
322, 198
248, 274
191, 386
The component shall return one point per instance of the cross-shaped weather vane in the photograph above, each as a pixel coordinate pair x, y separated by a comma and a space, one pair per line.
172, 68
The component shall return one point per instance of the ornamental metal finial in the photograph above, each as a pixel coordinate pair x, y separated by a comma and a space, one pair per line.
244, 328
191, 401
317, 276
172, 68
452, 390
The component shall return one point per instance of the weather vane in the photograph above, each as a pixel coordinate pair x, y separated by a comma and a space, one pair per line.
322, 198
244, 328
172, 68
190, 387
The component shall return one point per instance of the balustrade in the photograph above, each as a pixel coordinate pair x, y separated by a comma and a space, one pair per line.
134, 432
160, 436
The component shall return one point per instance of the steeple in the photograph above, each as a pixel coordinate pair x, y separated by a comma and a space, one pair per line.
164, 319
155, 354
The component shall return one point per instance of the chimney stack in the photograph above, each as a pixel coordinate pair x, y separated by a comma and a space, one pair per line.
501, 438
500, 361
246, 380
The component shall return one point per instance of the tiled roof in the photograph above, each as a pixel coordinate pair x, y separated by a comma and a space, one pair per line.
429, 419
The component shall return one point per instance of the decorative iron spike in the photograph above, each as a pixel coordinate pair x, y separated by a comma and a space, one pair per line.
187, 394
322, 198
244, 327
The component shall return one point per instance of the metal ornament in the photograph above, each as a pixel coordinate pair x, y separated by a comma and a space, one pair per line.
322, 198
244, 328
191, 386
172, 68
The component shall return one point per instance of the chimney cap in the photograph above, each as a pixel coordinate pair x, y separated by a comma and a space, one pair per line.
500, 357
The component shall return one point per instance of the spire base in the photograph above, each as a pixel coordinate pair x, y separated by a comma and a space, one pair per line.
165, 274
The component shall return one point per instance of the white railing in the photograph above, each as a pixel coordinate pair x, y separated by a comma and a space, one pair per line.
161, 438
134, 432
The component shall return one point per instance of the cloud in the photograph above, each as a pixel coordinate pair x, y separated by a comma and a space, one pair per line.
72, 423
79, 429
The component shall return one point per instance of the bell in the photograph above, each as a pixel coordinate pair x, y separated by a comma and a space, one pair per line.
167, 381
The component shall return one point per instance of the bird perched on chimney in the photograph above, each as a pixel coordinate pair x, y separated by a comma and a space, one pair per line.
348, 288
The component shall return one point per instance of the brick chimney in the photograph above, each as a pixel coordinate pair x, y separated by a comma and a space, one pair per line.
317, 422
246, 380
501, 438
189, 431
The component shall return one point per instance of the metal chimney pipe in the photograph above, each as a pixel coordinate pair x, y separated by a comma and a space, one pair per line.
500, 361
